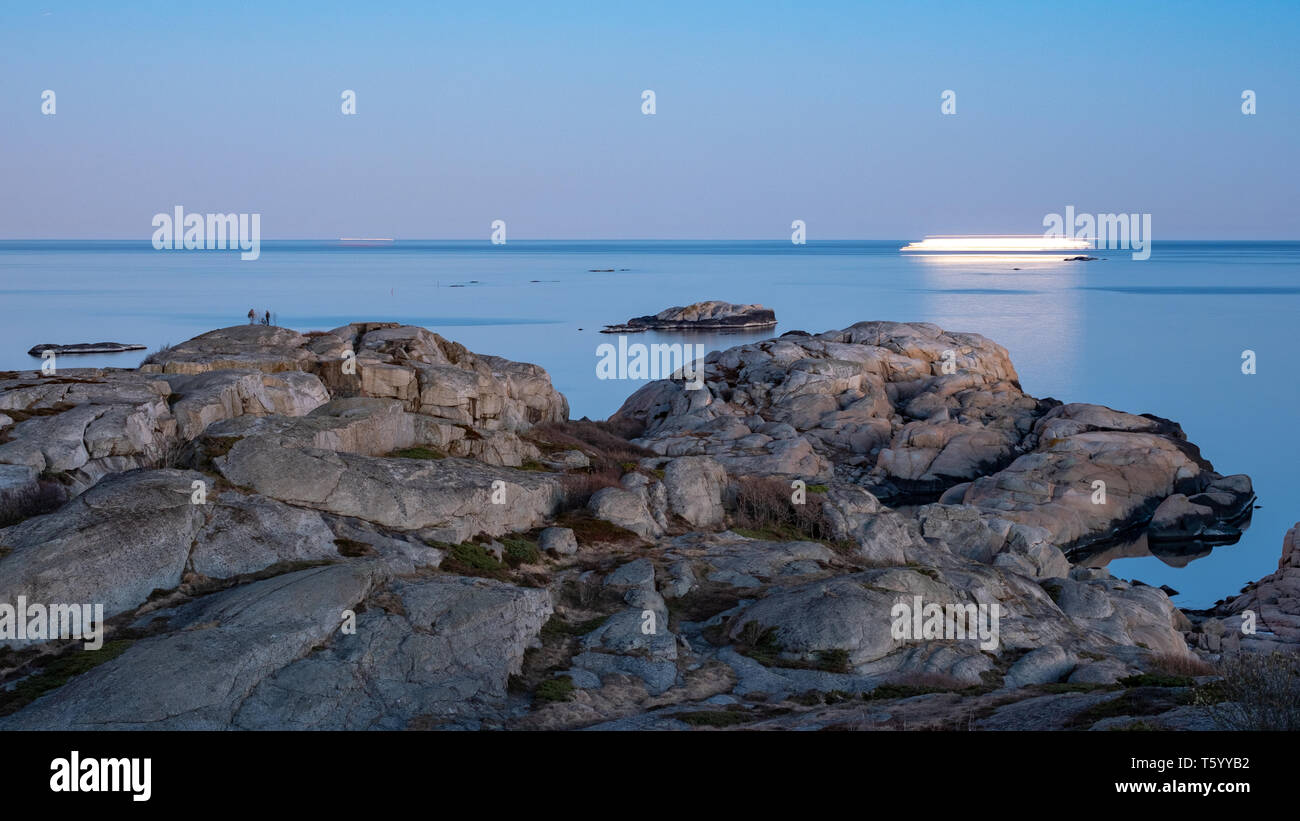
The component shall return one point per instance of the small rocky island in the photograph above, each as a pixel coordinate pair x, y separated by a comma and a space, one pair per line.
84, 347
373, 527
700, 316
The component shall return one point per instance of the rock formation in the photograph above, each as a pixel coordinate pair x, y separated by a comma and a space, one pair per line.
701, 316
83, 347
373, 527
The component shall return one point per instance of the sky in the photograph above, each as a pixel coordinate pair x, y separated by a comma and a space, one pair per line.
765, 113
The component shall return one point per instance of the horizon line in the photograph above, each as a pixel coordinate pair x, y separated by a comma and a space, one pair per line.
607, 239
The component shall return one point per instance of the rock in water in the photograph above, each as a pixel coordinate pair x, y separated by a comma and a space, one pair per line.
701, 316
85, 347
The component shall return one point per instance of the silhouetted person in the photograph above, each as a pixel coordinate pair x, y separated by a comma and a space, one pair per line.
252, 317
267, 319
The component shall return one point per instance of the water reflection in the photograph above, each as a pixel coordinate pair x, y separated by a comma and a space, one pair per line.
1027, 303
1172, 553
709, 340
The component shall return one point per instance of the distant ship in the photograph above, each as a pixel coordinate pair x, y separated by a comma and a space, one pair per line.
365, 240
999, 244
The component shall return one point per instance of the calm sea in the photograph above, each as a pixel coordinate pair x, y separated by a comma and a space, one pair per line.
1162, 336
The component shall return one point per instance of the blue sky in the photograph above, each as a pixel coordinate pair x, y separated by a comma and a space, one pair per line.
766, 112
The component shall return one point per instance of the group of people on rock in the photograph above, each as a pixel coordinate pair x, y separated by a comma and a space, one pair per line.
253, 320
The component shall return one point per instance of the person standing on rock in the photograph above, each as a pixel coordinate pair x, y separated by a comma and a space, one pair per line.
267, 319
252, 317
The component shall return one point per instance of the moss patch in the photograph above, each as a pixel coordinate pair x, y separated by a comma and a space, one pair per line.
1137, 727
519, 550
468, 559
555, 689
1139, 701
557, 628
892, 691
589, 530
790, 533
833, 661
713, 718
417, 453
763, 647
1156, 680
1067, 687
57, 672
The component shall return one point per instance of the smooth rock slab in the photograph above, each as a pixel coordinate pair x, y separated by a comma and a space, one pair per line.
248, 533
694, 485
198, 677
113, 545
451, 496
446, 654
626, 508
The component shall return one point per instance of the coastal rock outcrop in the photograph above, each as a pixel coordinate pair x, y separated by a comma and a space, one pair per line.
373, 527
712, 315
1269, 609
427, 373
84, 424
910, 411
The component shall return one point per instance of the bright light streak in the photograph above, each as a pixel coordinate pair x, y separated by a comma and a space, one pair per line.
1000, 244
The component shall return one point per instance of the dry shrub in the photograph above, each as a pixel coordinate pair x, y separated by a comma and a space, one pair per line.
1171, 664
152, 358
35, 500
763, 504
605, 442
1258, 692
580, 487
610, 453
